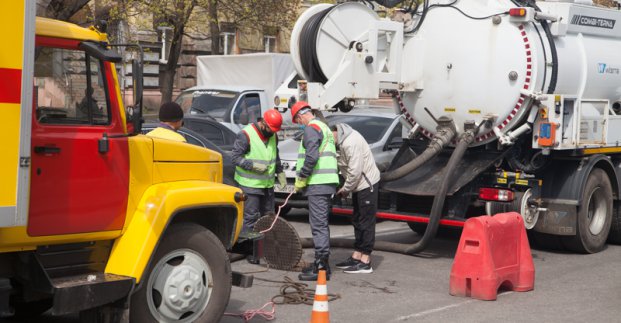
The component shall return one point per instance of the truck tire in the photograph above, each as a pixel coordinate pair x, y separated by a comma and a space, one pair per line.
417, 227
615, 227
190, 259
594, 215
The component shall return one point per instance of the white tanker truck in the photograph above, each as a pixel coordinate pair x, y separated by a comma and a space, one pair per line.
511, 106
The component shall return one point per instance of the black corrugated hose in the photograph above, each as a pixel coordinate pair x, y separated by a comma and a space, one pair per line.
436, 210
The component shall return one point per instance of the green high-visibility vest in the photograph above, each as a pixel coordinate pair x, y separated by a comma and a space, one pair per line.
261, 154
325, 171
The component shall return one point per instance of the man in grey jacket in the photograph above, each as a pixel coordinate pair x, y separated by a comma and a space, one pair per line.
362, 176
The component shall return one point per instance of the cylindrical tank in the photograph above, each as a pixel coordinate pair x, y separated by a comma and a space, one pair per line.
464, 63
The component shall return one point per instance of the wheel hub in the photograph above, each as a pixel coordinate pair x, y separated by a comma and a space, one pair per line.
180, 287
184, 288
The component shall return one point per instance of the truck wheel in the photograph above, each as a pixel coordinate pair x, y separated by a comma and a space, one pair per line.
594, 215
615, 227
189, 279
418, 227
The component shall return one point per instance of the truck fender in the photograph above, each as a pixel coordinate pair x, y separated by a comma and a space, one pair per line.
563, 185
164, 204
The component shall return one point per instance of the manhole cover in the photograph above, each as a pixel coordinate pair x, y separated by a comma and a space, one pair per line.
282, 247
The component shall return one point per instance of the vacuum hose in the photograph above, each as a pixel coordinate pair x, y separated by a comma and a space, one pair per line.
444, 136
436, 210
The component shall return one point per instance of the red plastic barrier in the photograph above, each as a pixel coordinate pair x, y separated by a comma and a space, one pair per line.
492, 252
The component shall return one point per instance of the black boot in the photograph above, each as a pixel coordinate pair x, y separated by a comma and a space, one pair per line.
312, 271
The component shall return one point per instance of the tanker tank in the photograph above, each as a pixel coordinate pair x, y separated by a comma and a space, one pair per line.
475, 60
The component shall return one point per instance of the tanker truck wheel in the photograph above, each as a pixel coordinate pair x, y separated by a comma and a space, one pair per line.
188, 280
615, 227
594, 215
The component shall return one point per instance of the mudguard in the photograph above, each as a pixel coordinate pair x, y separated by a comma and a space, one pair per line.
563, 185
159, 204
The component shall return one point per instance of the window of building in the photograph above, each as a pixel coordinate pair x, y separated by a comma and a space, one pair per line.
270, 43
227, 43
69, 88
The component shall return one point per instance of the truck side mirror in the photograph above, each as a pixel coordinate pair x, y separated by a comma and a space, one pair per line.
136, 115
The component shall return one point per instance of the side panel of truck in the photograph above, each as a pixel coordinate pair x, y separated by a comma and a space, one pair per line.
15, 75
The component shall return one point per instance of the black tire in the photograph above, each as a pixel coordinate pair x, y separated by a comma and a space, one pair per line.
192, 246
417, 227
594, 215
615, 226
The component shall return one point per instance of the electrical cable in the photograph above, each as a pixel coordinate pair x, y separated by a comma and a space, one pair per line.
545, 57
250, 314
278, 213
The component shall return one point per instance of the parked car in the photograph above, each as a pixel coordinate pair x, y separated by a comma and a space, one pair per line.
195, 138
214, 131
378, 125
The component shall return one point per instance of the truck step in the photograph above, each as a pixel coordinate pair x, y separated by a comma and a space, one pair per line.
76, 293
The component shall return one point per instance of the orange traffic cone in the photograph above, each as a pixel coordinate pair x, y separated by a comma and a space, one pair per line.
320, 305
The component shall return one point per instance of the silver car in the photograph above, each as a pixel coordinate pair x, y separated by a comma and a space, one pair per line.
381, 128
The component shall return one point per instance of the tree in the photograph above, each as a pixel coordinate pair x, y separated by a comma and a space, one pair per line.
169, 13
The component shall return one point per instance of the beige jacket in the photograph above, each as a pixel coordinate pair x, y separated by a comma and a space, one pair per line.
355, 160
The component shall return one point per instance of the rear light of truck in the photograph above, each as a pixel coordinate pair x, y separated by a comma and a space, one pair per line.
496, 194
517, 12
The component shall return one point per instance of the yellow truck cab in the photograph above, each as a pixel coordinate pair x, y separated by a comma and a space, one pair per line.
93, 215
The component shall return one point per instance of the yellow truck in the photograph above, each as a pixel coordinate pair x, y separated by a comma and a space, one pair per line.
96, 218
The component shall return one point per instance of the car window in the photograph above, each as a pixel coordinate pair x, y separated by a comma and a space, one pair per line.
214, 103
372, 128
294, 82
248, 110
207, 130
396, 132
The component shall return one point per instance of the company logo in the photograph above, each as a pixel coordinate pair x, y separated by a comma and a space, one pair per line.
593, 22
603, 68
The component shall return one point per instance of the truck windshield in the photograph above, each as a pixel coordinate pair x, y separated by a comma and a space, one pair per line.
214, 103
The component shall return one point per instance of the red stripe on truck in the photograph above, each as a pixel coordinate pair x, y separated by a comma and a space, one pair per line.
10, 85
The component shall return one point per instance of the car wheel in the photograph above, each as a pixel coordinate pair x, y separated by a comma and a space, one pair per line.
594, 215
188, 280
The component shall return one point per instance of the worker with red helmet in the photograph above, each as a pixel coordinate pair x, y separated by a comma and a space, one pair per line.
257, 165
317, 177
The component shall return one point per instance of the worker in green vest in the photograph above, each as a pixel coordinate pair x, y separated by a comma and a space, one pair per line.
255, 155
317, 178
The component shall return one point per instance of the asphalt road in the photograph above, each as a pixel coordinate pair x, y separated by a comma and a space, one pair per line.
568, 287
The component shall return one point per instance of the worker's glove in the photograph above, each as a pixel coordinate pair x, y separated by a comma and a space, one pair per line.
282, 180
300, 184
259, 168
342, 193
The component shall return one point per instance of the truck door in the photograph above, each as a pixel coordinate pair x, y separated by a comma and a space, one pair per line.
247, 110
75, 185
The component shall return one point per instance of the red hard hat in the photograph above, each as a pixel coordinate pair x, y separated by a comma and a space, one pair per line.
297, 107
273, 119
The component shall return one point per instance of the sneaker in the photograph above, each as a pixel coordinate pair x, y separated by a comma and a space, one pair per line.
359, 268
347, 263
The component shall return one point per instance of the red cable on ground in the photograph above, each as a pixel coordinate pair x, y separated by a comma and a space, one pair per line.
249, 314
278, 213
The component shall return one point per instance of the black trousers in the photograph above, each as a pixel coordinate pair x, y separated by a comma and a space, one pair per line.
365, 207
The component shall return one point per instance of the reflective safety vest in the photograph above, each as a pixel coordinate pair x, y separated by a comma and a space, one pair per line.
325, 171
261, 154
